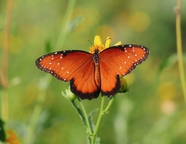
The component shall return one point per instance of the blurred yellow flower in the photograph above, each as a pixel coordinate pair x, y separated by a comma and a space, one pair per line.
12, 137
139, 21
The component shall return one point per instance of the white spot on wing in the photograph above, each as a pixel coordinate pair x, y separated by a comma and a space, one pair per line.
61, 56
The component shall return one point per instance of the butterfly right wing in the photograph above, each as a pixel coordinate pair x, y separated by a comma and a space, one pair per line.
119, 61
74, 66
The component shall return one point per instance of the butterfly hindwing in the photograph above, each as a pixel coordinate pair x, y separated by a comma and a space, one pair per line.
83, 84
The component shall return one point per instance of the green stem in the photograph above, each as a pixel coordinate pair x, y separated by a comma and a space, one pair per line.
92, 133
179, 48
98, 121
100, 114
109, 105
64, 28
86, 119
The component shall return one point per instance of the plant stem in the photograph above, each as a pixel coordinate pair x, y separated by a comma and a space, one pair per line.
99, 120
4, 69
179, 48
86, 118
64, 28
6, 45
109, 104
100, 114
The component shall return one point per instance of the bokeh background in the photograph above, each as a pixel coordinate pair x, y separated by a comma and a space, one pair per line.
152, 112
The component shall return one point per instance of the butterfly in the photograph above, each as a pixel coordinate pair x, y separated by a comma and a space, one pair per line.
92, 74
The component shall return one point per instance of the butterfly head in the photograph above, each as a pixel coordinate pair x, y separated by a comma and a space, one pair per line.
96, 48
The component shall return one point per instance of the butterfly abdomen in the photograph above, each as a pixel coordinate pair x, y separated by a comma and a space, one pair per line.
97, 68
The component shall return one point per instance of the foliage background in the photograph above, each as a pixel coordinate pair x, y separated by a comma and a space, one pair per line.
154, 109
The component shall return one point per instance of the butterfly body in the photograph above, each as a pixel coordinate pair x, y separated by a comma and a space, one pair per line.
95, 58
89, 74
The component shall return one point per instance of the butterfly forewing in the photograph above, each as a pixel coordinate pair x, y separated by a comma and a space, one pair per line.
63, 64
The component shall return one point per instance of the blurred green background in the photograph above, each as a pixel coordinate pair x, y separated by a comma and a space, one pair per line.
152, 112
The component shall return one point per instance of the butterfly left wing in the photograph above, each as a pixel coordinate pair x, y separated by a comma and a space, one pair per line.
118, 61
74, 66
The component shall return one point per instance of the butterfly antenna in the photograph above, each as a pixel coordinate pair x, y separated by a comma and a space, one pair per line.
108, 38
90, 42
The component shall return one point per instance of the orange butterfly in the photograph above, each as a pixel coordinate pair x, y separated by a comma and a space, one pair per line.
89, 74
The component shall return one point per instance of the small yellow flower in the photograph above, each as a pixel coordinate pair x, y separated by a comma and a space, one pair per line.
98, 44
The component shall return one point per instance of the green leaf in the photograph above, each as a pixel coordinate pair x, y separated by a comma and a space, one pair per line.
2, 131
92, 125
79, 111
98, 140
168, 62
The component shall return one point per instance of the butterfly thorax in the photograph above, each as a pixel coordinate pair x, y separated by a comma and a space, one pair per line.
96, 59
